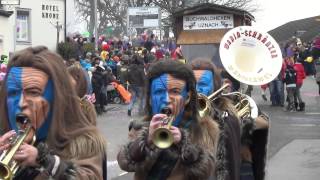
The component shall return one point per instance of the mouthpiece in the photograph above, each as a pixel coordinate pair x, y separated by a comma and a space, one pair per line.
166, 111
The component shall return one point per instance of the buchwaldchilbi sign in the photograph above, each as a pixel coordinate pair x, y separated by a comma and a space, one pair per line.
210, 21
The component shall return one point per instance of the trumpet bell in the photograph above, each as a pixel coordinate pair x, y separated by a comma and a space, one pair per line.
8, 166
5, 172
204, 105
163, 138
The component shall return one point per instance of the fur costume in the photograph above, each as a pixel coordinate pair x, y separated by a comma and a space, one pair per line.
193, 157
71, 147
194, 162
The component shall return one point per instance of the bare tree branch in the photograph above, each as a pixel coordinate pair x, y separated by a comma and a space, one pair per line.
114, 12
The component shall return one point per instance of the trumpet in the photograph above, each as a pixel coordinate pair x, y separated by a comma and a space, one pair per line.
162, 136
205, 103
8, 167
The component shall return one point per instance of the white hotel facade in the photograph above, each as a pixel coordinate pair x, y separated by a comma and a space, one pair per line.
31, 23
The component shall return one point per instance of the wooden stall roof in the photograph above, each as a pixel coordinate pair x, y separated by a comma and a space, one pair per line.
201, 36
5, 13
212, 7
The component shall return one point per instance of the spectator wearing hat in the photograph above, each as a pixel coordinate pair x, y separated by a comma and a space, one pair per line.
122, 70
98, 84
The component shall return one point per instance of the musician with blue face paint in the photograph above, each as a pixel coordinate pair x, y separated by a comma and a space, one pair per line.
171, 85
223, 113
37, 95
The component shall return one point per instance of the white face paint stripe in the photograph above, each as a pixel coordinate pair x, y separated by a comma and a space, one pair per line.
21, 100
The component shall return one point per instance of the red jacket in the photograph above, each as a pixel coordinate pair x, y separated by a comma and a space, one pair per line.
301, 74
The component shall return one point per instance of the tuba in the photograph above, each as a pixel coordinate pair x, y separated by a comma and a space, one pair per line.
250, 56
8, 167
162, 136
244, 105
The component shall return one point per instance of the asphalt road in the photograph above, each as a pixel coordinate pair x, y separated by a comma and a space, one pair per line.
288, 132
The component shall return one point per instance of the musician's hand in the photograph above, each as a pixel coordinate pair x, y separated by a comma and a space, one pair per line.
176, 134
27, 155
4, 140
155, 122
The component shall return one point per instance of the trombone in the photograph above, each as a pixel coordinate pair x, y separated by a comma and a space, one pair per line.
162, 136
8, 166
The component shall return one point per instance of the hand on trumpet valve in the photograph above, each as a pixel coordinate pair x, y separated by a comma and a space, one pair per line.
26, 155
176, 134
5, 140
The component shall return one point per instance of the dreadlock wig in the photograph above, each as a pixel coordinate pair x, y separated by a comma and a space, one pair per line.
206, 64
68, 121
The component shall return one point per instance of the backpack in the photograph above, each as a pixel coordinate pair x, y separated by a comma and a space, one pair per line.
290, 75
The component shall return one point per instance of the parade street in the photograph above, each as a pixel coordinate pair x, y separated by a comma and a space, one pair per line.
294, 145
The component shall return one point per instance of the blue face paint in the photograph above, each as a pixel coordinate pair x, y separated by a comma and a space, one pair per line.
15, 88
48, 94
204, 84
162, 95
14, 91
159, 94
179, 117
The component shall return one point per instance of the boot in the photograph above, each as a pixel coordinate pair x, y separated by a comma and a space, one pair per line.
98, 110
129, 112
301, 106
296, 106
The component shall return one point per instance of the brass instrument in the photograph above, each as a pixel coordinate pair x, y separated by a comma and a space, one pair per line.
249, 60
245, 106
8, 167
163, 137
205, 106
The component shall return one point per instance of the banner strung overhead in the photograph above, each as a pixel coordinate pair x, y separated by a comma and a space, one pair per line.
210, 21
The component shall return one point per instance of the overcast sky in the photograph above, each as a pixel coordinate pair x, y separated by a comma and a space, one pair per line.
274, 13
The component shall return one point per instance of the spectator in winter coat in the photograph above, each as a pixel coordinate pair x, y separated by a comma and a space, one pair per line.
301, 75
318, 76
290, 80
98, 83
136, 78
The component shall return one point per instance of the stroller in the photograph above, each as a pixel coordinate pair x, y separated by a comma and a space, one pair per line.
117, 94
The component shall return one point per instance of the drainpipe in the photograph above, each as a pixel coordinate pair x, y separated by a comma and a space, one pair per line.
65, 20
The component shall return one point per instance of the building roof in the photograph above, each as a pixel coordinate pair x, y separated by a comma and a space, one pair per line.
210, 6
306, 29
5, 13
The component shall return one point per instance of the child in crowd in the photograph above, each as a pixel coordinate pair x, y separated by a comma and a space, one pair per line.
301, 75
290, 81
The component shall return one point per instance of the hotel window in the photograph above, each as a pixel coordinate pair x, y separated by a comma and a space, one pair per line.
23, 26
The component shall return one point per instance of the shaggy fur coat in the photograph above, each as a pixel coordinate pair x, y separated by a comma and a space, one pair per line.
196, 158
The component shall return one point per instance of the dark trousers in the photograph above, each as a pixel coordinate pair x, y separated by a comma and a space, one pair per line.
276, 88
